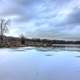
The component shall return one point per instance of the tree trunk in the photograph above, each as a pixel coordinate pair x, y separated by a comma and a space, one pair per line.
1, 32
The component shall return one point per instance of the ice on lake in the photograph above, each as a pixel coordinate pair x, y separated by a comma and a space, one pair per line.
30, 63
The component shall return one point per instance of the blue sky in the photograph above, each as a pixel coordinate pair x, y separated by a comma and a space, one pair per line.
52, 19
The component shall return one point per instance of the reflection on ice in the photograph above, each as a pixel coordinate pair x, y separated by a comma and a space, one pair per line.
48, 49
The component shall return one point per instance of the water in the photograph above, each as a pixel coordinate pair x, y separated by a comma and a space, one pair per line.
40, 64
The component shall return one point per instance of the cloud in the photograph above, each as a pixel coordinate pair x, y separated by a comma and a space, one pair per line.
53, 19
74, 17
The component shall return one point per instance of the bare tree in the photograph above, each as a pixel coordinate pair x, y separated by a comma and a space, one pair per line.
3, 28
22, 39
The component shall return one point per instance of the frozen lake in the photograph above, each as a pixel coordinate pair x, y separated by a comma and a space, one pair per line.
40, 64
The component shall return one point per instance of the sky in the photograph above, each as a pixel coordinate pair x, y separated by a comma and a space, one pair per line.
51, 19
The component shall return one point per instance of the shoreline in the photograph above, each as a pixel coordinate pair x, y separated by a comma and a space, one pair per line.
38, 45
12, 42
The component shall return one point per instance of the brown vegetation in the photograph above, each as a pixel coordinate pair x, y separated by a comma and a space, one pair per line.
24, 42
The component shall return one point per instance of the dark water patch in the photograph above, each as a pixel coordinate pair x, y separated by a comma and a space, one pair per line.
44, 49
77, 56
23, 49
48, 55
